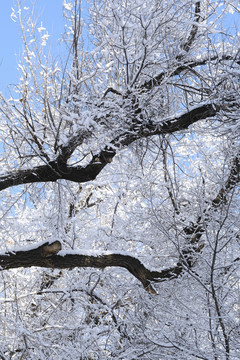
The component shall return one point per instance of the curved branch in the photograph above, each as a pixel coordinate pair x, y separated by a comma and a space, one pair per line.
58, 169
46, 256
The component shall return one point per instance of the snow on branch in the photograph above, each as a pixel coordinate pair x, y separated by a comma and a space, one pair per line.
181, 66
46, 256
59, 169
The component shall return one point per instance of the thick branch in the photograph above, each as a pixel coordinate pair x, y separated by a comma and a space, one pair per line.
46, 256
57, 169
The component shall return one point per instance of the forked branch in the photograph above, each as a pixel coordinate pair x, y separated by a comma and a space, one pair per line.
59, 169
46, 255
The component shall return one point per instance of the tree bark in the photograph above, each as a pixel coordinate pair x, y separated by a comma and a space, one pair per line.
58, 169
46, 256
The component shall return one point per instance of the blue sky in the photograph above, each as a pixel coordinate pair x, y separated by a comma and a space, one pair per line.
50, 11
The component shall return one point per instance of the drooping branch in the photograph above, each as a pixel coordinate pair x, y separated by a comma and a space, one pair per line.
46, 256
59, 169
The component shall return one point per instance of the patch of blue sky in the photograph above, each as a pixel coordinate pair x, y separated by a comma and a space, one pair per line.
47, 12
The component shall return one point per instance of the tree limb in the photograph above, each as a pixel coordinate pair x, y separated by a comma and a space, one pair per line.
195, 231
46, 256
58, 169
180, 67
193, 33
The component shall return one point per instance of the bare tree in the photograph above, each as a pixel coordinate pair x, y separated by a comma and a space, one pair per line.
124, 155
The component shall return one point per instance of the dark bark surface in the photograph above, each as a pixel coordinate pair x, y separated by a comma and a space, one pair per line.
51, 170
59, 169
46, 256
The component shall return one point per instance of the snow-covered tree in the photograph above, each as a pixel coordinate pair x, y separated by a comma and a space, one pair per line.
119, 182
